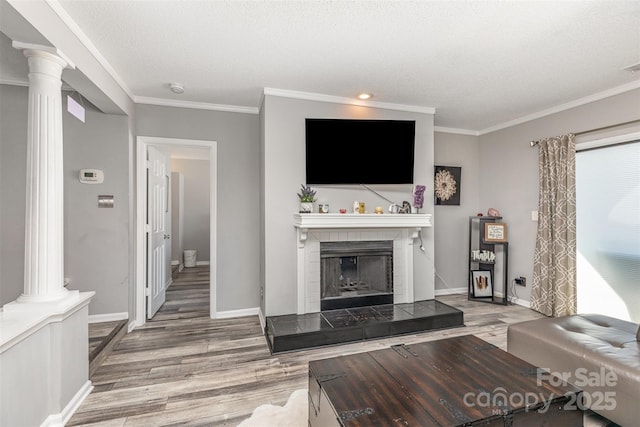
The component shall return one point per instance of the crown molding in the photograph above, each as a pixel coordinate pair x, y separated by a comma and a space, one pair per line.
311, 96
195, 105
11, 82
456, 131
88, 44
563, 107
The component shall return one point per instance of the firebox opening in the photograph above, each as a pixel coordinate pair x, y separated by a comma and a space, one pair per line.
356, 273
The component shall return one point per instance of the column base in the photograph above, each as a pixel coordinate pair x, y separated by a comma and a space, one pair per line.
51, 297
64, 300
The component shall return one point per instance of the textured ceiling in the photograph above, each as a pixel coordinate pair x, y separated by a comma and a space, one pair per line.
479, 64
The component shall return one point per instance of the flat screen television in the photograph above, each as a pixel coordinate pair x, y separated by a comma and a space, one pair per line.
345, 151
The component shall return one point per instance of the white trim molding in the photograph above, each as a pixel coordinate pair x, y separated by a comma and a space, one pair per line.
88, 44
563, 107
456, 131
10, 82
108, 317
450, 291
229, 314
310, 96
603, 142
195, 105
61, 419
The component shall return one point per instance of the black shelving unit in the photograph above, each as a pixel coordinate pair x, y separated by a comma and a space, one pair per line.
477, 242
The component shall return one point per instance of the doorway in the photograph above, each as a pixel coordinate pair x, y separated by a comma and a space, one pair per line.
142, 148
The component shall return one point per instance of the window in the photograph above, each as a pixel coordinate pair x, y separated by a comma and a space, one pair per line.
608, 230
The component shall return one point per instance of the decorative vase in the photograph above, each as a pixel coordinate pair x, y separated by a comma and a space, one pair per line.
306, 207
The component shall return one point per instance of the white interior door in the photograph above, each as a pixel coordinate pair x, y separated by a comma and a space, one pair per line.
157, 234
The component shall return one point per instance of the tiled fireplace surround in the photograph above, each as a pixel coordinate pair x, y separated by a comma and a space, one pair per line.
312, 229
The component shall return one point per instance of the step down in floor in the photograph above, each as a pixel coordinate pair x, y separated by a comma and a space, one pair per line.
296, 332
103, 349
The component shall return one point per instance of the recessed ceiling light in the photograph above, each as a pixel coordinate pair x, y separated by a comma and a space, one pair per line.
176, 88
365, 96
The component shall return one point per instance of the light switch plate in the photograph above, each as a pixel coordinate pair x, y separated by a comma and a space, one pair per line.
105, 201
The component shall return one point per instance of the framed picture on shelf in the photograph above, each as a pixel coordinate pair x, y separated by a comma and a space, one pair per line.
495, 232
482, 284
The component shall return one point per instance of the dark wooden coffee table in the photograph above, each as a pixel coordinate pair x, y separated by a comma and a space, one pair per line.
457, 381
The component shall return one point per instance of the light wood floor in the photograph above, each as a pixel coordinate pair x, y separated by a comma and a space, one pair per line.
183, 368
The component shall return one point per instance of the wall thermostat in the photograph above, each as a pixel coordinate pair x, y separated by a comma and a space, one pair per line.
91, 176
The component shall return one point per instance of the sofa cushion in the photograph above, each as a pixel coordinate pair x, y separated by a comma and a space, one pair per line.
591, 342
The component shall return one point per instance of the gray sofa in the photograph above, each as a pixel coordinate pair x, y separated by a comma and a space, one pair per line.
585, 348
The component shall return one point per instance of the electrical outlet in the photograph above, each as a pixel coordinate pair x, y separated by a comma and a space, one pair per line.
522, 281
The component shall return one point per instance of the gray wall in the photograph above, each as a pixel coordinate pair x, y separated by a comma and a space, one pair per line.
509, 170
451, 222
96, 240
238, 187
13, 163
283, 172
196, 205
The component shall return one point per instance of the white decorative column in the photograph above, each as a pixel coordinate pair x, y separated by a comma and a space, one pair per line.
44, 333
44, 231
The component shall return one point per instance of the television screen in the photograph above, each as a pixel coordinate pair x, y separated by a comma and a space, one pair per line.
342, 151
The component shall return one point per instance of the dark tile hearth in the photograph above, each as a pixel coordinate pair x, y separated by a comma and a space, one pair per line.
295, 332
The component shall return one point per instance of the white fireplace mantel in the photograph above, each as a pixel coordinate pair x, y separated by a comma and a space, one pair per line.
312, 229
308, 221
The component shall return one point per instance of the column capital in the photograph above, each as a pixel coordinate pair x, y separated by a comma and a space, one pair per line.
45, 52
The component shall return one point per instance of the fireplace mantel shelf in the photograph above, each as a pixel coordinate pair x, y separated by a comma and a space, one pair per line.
315, 221
308, 221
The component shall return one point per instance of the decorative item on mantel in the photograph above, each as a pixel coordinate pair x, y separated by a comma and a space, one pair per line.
405, 209
418, 196
493, 212
307, 196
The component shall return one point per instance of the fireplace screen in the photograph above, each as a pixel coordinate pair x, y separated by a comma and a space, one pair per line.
356, 273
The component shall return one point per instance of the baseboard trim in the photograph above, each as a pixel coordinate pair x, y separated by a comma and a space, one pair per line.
455, 291
254, 311
522, 302
450, 291
514, 300
59, 420
263, 320
108, 317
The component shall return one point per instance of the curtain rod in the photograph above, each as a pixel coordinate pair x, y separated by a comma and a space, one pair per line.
534, 143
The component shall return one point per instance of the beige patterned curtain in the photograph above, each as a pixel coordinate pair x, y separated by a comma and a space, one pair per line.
554, 267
